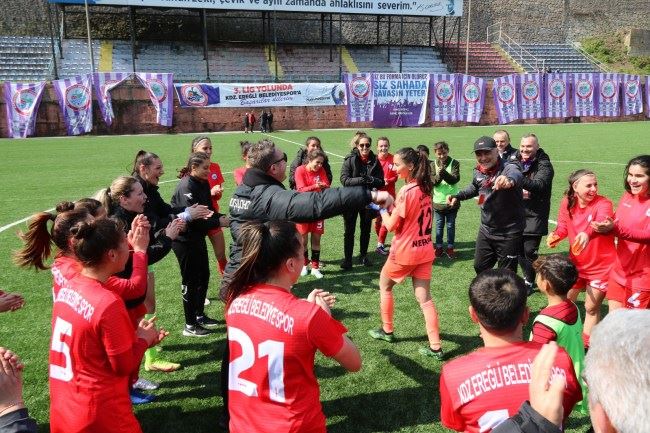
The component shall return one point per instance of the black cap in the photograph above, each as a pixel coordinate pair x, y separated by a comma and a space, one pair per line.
485, 143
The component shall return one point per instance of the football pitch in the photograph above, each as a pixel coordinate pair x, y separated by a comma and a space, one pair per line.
397, 388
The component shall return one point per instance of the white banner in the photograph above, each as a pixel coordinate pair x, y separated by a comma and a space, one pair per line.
261, 95
425, 8
76, 102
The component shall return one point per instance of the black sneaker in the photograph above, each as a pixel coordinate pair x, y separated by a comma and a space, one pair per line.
196, 331
346, 265
206, 322
365, 261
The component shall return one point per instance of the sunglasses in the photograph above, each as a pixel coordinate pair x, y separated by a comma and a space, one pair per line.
284, 158
364, 145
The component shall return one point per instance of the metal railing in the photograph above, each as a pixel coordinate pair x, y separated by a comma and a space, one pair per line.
600, 65
496, 35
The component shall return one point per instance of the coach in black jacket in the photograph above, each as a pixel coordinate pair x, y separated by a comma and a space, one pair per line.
498, 188
536, 183
360, 168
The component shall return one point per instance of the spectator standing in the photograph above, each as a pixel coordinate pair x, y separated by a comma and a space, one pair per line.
251, 121
390, 179
264, 121
502, 139
498, 305
445, 174
537, 184
311, 143
360, 168
247, 123
497, 184
270, 121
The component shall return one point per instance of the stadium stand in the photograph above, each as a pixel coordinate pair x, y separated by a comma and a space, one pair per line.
310, 63
558, 57
414, 59
484, 60
75, 58
25, 58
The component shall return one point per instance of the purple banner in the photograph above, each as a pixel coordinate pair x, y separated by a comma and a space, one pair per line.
197, 94
161, 93
444, 97
504, 91
400, 99
530, 93
471, 98
103, 83
647, 96
608, 101
358, 88
22, 101
76, 103
557, 95
632, 96
584, 94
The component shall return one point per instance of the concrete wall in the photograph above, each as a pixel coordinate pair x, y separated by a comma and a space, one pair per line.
135, 115
525, 21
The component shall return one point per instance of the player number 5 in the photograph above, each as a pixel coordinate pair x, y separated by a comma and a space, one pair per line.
61, 328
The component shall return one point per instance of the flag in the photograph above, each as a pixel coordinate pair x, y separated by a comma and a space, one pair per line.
444, 97
76, 103
103, 83
530, 92
632, 96
556, 96
584, 94
504, 91
358, 88
22, 101
471, 98
161, 93
608, 101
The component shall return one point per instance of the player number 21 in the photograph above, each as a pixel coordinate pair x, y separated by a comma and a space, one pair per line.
274, 350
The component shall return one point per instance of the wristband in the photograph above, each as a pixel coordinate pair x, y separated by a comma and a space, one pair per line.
185, 215
374, 206
383, 210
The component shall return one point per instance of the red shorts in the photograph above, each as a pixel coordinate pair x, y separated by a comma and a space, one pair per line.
629, 297
598, 284
398, 273
214, 231
317, 227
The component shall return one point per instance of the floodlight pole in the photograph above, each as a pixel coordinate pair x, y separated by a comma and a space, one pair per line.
50, 26
469, 21
90, 46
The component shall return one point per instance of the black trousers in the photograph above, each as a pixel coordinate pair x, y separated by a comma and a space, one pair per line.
365, 223
529, 255
502, 250
195, 273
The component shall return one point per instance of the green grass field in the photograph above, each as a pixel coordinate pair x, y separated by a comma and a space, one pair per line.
397, 389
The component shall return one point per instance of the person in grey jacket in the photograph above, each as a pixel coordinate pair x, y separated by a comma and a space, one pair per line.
360, 168
537, 185
497, 185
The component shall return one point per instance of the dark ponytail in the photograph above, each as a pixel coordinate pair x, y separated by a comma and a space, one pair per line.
91, 239
196, 158
266, 247
570, 192
421, 167
142, 158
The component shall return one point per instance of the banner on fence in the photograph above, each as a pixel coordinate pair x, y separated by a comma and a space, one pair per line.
632, 96
22, 101
400, 99
103, 83
584, 94
358, 88
530, 93
556, 96
161, 93
443, 99
504, 92
425, 8
471, 98
608, 101
260, 95
76, 103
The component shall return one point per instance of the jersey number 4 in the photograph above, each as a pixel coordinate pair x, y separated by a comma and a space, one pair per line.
61, 328
274, 350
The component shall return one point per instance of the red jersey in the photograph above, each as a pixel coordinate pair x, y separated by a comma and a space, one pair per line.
273, 337
238, 174
215, 178
566, 312
306, 180
412, 242
595, 261
480, 390
390, 175
89, 324
632, 266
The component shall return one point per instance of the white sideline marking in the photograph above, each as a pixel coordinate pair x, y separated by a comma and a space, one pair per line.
275, 137
13, 224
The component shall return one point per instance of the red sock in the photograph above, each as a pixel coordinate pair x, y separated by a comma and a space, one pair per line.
387, 307
314, 264
383, 232
431, 322
222, 265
